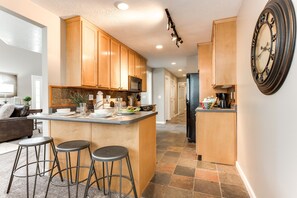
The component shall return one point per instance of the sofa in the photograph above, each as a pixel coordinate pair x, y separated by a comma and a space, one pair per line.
17, 125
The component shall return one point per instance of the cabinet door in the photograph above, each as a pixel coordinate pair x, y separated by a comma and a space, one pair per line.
205, 70
104, 60
137, 66
143, 74
131, 58
224, 52
124, 67
89, 54
216, 139
115, 69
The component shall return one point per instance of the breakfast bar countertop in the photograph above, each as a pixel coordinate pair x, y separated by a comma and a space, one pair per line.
119, 119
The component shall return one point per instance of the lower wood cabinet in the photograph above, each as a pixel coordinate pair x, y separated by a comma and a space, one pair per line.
216, 136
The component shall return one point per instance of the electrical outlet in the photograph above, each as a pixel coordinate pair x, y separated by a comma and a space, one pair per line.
91, 97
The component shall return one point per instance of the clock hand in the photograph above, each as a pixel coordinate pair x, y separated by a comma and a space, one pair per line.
265, 48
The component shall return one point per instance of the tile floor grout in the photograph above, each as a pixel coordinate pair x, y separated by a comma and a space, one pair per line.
180, 174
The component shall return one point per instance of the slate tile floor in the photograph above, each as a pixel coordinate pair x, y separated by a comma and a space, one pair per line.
180, 175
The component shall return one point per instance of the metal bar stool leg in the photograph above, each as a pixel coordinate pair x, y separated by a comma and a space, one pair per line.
70, 167
77, 172
56, 160
44, 155
103, 178
27, 170
92, 168
37, 170
67, 169
17, 157
37, 164
120, 178
131, 175
108, 178
51, 174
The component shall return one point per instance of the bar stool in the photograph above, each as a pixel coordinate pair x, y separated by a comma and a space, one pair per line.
33, 142
67, 148
111, 154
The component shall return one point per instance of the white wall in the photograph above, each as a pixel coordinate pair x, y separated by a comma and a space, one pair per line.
267, 131
22, 62
51, 52
159, 93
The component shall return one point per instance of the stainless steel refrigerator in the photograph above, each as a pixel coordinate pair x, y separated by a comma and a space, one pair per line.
192, 103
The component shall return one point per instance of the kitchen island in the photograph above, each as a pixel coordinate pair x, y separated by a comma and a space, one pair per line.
137, 132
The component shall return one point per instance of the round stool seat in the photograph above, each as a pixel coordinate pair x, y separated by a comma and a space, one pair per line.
73, 145
36, 141
110, 153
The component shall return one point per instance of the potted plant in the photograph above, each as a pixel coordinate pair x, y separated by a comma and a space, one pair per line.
27, 100
78, 99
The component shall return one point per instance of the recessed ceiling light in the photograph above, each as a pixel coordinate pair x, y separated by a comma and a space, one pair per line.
173, 63
184, 74
179, 70
121, 5
159, 46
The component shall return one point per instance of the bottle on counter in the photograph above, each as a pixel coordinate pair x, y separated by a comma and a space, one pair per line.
99, 100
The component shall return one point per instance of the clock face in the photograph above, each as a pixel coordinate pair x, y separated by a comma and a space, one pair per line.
273, 45
264, 46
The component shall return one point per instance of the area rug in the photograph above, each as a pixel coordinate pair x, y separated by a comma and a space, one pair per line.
7, 147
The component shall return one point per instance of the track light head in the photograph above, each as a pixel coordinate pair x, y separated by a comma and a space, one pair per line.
174, 37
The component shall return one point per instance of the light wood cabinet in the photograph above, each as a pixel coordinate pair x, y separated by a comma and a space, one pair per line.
137, 66
124, 67
131, 58
81, 53
205, 70
143, 74
224, 52
216, 136
103, 60
115, 67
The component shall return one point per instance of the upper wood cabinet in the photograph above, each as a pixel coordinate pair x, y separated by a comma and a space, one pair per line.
137, 66
224, 52
131, 58
205, 70
124, 67
81, 53
143, 74
103, 60
115, 67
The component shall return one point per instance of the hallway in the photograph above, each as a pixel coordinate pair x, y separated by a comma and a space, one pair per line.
180, 175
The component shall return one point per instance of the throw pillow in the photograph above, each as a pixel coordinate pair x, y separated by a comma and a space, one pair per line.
25, 111
6, 111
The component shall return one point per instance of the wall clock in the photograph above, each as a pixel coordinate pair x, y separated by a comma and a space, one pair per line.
273, 45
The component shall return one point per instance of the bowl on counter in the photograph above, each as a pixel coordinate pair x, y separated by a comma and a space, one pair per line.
63, 110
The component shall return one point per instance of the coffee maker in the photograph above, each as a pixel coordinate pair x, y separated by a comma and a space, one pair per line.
224, 100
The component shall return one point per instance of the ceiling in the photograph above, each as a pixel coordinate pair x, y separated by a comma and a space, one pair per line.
141, 27
20, 33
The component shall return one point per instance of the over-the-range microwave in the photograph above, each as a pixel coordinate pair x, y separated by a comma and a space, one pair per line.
134, 84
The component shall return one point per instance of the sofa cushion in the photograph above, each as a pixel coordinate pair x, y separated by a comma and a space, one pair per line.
25, 111
17, 111
6, 111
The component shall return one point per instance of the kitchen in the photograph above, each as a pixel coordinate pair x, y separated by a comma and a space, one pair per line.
254, 109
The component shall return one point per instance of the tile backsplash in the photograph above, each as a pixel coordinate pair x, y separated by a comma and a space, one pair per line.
60, 96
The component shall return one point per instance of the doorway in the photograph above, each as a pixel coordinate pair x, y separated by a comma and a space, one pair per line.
182, 92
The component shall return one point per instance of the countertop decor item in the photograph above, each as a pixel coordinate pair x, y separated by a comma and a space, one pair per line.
78, 98
273, 45
27, 100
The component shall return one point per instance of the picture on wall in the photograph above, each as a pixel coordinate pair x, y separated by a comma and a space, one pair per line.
8, 85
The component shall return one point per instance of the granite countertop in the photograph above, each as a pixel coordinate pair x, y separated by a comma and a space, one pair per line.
215, 109
120, 119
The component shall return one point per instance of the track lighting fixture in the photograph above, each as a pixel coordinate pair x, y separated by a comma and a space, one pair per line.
170, 24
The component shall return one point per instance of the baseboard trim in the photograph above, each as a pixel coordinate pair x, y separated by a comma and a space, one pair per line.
161, 122
245, 181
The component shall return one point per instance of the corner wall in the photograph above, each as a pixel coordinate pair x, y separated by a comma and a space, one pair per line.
267, 131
